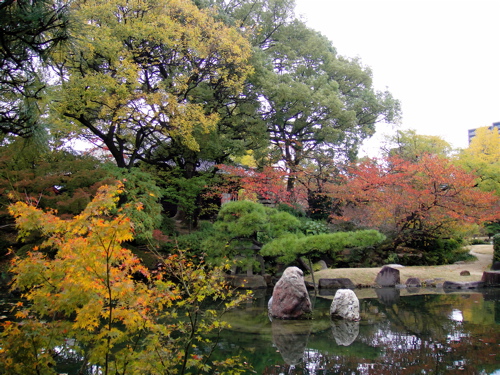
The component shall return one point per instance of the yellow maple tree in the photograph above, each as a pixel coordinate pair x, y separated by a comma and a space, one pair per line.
85, 299
483, 158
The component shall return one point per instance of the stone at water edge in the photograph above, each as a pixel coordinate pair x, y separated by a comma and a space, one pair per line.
491, 278
413, 282
460, 285
290, 298
388, 276
345, 305
340, 282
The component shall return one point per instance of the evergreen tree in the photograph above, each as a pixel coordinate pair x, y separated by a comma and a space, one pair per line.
30, 32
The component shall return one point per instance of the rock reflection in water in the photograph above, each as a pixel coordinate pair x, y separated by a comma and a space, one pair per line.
418, 332
290, 338
344, 331
388, 296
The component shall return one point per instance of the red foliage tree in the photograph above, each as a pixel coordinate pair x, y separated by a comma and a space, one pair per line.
413, 201
269, 184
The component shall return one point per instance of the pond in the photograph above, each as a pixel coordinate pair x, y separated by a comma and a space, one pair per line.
419, 331
399, 333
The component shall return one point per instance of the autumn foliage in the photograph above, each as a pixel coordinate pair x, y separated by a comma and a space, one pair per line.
252, 184
413, 201
85, 301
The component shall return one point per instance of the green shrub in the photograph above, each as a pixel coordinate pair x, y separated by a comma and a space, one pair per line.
438, 251
292, 210
242, 226
479, 241
168, 226
496, 247
289, 247
313, 227
392, 258
192, 242
205, 226
492, 228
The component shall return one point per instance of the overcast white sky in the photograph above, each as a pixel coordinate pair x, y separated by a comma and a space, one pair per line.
440, 58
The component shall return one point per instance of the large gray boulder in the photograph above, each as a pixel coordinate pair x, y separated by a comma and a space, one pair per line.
388, 276
345, 305
290, 298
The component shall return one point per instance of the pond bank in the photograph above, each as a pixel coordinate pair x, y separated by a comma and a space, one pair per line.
365, 277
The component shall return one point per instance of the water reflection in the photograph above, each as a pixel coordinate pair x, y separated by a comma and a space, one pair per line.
290, 337
388, 296
457, 316
344, 331
434, 333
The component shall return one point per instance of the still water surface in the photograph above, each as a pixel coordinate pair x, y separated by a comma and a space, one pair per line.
456, 333
399, 333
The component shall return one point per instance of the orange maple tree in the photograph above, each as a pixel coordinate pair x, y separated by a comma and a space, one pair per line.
413, 201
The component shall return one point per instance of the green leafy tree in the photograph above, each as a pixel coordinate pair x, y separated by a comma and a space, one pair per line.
140, 200
187, 195
243, 227
409, 145
139, 76
315, 104
86, 293
315, 101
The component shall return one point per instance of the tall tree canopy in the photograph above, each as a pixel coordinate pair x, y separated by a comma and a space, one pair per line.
30, 31
139, 75
241, 128
315, 101
186, 85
